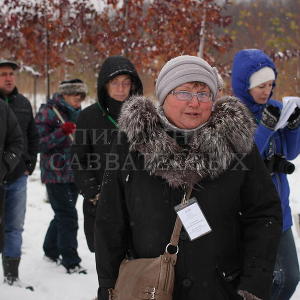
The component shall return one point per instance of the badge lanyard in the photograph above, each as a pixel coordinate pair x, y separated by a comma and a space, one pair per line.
109, 117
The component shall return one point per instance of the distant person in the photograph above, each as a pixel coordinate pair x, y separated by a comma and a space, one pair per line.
117, 81
253, 81
11, 149
56, 125
189, 140
16, 181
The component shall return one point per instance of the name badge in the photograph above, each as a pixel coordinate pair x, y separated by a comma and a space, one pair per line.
192, 219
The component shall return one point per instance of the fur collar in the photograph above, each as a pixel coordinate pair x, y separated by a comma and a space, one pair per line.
210, 150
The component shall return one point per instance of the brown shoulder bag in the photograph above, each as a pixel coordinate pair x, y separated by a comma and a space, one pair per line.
149, 278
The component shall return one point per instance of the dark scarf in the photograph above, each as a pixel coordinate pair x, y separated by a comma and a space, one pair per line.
113, 107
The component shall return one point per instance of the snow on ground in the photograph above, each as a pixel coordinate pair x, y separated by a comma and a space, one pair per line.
50, 281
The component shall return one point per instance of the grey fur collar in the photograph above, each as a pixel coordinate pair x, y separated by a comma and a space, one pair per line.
211, 149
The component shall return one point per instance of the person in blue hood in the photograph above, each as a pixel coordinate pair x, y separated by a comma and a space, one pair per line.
253, 80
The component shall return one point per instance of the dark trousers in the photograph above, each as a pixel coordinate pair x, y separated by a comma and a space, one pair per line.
61, 236
286, 273
2, 197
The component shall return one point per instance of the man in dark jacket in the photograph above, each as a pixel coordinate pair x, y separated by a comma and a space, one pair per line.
11, 147
117, 81
16, 181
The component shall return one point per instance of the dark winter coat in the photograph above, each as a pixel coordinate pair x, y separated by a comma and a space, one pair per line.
55, 145
11, 149
283, 142
23, 111
233, 189
93, 136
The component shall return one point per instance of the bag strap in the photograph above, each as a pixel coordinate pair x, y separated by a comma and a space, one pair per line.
178, 225
71, 136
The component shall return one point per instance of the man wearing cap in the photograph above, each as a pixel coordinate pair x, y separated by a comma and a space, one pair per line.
56, 125
16, 181
117, 81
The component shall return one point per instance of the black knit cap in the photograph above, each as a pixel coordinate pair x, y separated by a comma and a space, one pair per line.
112, 67
72, 87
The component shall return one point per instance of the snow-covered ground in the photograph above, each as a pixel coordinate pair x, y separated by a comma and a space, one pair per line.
50, 281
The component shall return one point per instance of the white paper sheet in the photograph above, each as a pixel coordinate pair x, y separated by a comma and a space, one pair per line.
289, 105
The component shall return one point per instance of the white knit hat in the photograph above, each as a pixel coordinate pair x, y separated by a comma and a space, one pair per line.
263, 75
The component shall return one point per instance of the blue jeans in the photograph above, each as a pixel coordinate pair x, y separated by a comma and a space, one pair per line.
61, 236
14, 216
286, 272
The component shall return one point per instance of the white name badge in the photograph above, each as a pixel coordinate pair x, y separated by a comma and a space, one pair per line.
192, 218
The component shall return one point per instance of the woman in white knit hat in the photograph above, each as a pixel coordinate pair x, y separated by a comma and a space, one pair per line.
189, 140
253, 81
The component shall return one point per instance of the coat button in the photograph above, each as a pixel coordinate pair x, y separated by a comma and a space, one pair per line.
187, 282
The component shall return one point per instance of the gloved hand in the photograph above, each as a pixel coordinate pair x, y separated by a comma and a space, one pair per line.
30, 165
68, 127
10, 159
92, 188
270, 116
294, 119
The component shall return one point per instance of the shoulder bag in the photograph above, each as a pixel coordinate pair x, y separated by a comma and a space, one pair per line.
149, 278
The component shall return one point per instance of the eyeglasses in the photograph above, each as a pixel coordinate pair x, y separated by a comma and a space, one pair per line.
124, 84
188, 96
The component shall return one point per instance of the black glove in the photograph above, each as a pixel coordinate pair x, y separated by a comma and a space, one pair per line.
91, 188
270, 116
294, 119
11, 160
30, 165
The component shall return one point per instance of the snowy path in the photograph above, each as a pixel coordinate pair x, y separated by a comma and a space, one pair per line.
50, 281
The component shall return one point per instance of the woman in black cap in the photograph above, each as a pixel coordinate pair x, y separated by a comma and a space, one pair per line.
117, 81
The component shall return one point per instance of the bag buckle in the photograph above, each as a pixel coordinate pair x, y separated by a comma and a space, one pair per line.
167, 251
152, 293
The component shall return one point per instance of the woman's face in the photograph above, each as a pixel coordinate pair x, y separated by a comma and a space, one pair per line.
188, 114
119, 87
74, 100
261, 93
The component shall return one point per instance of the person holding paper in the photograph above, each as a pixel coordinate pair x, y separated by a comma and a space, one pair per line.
189, 138
253, 80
